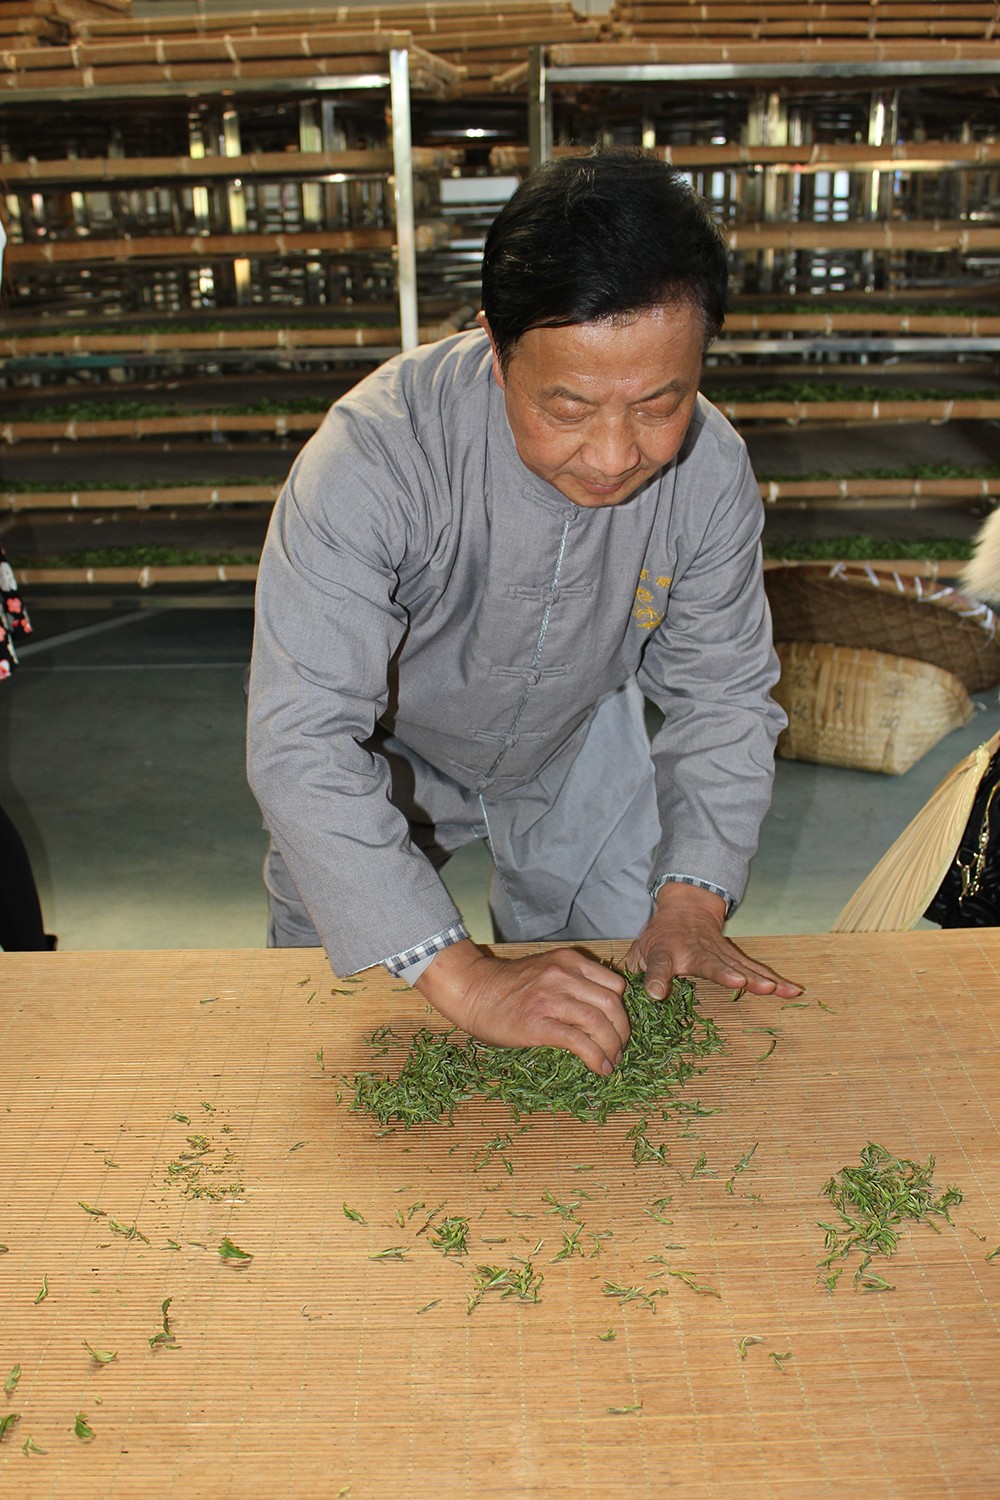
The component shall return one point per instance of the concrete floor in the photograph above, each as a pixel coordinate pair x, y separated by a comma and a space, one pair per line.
122, 765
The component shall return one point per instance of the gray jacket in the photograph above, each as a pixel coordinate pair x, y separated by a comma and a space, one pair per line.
418, 581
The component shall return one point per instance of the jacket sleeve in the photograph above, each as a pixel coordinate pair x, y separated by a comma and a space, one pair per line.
710, 667
327, 627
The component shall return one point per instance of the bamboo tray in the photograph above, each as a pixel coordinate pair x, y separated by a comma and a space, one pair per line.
313, 1369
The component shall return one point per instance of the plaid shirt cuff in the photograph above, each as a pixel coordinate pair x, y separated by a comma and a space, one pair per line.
412, 962
703, 885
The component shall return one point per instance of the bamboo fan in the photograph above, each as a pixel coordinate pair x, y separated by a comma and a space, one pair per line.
904, 882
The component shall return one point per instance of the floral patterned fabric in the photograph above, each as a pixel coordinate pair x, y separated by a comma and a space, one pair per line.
14, 620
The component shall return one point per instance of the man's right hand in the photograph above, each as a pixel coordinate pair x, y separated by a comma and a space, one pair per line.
559, 998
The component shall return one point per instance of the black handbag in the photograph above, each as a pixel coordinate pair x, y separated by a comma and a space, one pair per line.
969, 894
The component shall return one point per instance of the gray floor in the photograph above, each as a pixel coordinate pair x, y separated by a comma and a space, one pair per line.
123, 767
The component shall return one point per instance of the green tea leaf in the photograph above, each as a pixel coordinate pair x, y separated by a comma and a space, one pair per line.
165, 1338
7, 1422
10, 1384
44, 1291
30, 1446
353, 1214
101, 1356
81, 1426
229, 1251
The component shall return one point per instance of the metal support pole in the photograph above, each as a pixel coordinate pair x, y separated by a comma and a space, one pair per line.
539, 110
402, 188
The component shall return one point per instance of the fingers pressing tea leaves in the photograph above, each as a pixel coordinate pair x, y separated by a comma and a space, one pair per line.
670, 1038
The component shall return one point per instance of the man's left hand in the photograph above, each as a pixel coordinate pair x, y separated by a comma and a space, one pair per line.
684, 937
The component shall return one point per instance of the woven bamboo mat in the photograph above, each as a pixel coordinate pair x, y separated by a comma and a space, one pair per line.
313, 1369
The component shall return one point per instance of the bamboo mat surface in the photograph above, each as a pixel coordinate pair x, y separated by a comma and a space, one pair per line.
152, 1105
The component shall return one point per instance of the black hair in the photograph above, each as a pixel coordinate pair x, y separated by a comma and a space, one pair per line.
601, 236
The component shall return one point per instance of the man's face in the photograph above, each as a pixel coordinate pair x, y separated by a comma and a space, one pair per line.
596, 409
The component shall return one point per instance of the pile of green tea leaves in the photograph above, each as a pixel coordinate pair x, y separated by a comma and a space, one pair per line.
873, 1200
442, 1071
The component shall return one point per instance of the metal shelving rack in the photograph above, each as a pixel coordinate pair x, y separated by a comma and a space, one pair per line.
198, 234
845, 205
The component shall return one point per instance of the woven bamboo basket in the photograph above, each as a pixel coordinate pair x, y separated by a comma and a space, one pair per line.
867, 710
842, 604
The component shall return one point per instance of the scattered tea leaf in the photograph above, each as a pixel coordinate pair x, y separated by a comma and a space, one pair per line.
873, 1200
81, 1426
450, 1236
97, 1213
229, 1251
353, 1214
164, 1338
745, 1343
608, 1337
30, 1446
10, 1384
505, 1280
128, 1231
621, 1411
634, 1294
779, 1359
43, 1292
7, 1422
101, 1356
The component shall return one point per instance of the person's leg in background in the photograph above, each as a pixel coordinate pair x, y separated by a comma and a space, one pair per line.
21, 926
